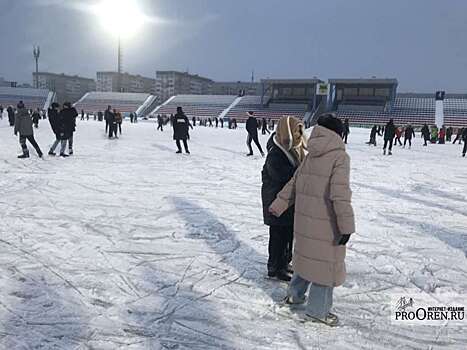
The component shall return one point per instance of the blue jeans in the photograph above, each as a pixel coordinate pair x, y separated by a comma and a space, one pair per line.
319, 301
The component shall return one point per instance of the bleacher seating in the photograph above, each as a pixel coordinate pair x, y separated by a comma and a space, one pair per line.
204, 106
124, 102
270, 110
32, 98
407, 108
455, 111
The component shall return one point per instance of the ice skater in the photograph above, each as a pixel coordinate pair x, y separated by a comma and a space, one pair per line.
252, 129
389, 132
68, 117
458, 136
425, 134
408, 134
346, 131
320, 185
23, 127
160, 123
264, 127
464, 137
397, 139
373, 132
57, 127
181, 126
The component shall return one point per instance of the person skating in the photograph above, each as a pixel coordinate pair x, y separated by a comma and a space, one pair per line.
449, 134
67, 117
23, 127
36, 116
285, 153
425, 134
160, 123
57, 127
434, 134
442, 135
118, 123
135, 119
1, 111
194, 121
373, 132
222, 122
216, 120
181, 125
458, 136
131, 117
107, 116
82, 114
113, 124
323, 222
389, 133
11, 115
408, 134
397, 139
110, 122
252, 129
464, 137
346, 131
264, 127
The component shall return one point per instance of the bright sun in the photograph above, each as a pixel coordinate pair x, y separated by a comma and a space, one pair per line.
122, 18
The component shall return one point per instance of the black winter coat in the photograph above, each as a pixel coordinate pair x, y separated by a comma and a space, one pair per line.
389, 131
277, 171
68, 119
180, 126
55, 122
426, 132
252, 127
409, 133
464, 135
11, 115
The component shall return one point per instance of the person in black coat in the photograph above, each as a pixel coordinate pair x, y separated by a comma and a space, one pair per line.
346, 132
181, 125
1, 112
160, 123
464, 137
11, 115
108, 115
449, 133
409, 132
252, 129
35, 118
264, 127
56, 125
67, 118
425, 134
284, 157
389, 133
373, 132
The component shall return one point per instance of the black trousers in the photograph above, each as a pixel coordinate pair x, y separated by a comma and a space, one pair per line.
106, 125
112, 130
185, 144
344, 137
398, 139
119, 128
159, 127
408, 139
32, 140
458, 137
256, 141
465, 148
386, 143
280, 247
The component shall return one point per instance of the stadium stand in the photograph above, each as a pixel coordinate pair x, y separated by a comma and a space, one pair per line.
416, 109
124, 102
32, 98
455, 110
269, 110
204, 106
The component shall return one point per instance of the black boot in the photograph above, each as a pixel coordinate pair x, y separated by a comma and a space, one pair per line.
24, 155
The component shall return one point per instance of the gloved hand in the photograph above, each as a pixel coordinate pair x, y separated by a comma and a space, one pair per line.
344, 239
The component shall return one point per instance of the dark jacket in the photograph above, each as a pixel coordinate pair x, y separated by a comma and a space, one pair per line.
426, 132
409, 132
389, 131
54, 121
68, 120
464, 135
373, 132
180, 126
346, 127
11, 115
23, 122
252, 127
277, 171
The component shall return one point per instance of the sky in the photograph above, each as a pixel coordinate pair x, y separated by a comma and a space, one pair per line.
422, 43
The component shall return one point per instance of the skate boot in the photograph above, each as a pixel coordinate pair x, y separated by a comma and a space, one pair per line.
384, 152
52, 153
330, 320
64, 155
389, 153
70, 152
178, 152
24, 155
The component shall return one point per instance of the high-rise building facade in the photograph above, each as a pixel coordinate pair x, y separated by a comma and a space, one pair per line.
113, 82
66, 87
170, 83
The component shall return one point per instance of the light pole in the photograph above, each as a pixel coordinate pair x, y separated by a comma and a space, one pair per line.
37, 52
119, 65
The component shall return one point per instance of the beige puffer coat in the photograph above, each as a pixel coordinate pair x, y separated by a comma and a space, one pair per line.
321, 192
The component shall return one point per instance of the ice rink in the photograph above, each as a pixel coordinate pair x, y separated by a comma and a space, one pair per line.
126, 245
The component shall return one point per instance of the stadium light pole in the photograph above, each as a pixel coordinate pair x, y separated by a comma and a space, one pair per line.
119, 64
36, 52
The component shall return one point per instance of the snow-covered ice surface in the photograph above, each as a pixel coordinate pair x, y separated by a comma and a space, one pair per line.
127, 245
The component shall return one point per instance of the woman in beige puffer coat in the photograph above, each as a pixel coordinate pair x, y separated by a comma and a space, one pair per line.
323, 221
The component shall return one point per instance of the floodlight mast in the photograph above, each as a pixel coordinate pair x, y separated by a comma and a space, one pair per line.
37, 52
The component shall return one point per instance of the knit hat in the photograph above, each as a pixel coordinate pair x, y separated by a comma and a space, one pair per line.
179, 110
20, 104
250, 114
331, 122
